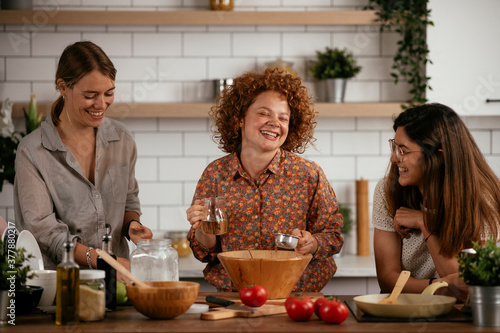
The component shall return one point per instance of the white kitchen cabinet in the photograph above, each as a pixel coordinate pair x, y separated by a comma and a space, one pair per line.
465, 50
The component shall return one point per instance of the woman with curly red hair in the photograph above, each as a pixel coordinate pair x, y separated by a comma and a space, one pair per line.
261, 121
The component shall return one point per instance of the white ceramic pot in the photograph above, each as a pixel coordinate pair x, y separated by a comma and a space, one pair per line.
48, 280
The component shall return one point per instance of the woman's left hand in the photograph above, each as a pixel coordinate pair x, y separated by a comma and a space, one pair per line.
307, 243
137, 231
407, 220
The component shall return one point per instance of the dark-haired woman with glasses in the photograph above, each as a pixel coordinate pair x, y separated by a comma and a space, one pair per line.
438, 196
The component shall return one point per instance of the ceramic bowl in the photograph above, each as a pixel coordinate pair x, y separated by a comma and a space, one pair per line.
277, 271
165, 300
47, 279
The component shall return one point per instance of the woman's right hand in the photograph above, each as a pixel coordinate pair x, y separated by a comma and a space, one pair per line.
194, 214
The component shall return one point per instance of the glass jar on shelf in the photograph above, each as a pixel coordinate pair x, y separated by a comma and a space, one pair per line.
180, 242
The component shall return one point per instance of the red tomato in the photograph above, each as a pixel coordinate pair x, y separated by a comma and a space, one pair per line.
254, 296
299, 308
333, 312
318, 304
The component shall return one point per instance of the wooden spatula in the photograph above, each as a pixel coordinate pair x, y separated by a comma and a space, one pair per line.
400, 283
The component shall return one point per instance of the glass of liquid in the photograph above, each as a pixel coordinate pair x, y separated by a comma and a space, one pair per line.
214, 221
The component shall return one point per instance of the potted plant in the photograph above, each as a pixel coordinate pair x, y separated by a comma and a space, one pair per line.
480, 270
346, 228
333, 67
13, 276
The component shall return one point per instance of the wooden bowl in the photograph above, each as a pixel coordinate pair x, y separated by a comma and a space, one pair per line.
165, 300
277, 271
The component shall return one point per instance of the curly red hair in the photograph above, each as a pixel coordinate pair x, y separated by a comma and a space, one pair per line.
231, 105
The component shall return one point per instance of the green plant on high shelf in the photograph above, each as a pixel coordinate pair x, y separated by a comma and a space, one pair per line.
9, 137
334, 63
410, 19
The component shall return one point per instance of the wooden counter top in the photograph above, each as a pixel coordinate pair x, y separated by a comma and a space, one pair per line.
127, 319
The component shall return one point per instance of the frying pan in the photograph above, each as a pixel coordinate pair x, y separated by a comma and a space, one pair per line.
421, 305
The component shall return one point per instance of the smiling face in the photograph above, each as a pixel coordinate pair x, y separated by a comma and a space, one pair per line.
411, 165
265, 126
87, 101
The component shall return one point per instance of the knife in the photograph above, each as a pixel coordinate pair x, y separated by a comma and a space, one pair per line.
229, 304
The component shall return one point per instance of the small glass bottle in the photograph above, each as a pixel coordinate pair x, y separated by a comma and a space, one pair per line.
180, 243
155, 260
92, 295
67, 294
110, 276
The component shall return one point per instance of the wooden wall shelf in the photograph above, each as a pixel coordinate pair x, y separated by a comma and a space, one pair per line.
200, 110
41, 17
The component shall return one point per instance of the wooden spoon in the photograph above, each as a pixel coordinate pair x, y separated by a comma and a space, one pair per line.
119, 268
400, 283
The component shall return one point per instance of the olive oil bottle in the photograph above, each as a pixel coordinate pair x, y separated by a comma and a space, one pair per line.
110, 277
68, 287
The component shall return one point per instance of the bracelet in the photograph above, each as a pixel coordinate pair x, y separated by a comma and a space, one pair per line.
127, 227
426, 238
431, 280
89, 262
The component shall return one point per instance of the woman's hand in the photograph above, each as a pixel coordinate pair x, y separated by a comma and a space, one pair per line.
456, 287
195, 213
119, 276
137, 232
307, 243
407, 220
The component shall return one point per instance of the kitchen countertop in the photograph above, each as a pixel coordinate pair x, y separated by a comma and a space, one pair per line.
347, 266
127, 319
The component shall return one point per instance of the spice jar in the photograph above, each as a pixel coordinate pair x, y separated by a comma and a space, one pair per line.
180, 243
92, 295
155, 260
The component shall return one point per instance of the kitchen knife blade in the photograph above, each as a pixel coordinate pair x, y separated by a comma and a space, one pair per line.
229, 304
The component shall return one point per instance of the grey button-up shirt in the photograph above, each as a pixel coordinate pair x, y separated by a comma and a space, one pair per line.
52, 194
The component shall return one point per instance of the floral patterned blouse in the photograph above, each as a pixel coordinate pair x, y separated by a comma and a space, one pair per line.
292, 193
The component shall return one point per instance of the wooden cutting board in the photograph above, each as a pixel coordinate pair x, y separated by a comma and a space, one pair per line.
272, 306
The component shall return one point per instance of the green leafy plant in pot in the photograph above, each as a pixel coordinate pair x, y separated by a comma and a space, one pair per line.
479, 268
13, 289
346, 228
333, 67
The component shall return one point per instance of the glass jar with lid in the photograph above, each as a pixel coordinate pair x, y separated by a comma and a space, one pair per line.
155, 260
92, 295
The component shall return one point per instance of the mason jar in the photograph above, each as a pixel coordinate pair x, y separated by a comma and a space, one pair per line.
155, 260
92, 295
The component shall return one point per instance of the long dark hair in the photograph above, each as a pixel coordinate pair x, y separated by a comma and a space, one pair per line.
76, 61
461, 193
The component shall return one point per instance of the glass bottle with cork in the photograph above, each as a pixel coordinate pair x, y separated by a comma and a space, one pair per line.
110, 272
68, 287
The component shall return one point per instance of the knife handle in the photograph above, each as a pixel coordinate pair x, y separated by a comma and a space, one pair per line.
217, 300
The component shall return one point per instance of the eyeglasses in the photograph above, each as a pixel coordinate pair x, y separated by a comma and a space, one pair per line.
399, 151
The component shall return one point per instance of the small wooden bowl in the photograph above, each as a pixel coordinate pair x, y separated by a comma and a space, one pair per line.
277, 271
166, 300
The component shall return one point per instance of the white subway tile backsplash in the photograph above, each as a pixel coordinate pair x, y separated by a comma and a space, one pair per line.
16, 92
219, 68
189, 189
114, 44
486, 122
494, 163
141, 124
159, 144
183, 124
356, 143
146, 169
208, 44
305, 44
173, 219
332, 124
157, 44
2, 69
359, 43
336, 168
483, 141
200, 144
495, 142
157, 92
140, 70
181, 168
52, 44
256, 44
362, 91
372, 168
30, 69
375, 69
183, 69
14, 44
395, 92
47, 93
150, 218
322, 145
374, 123
160, 193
